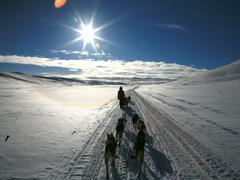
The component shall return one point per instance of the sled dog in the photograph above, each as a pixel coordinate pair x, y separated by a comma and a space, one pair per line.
141, 125
110, 152
138, 150
135, 119
124, 117
119, 130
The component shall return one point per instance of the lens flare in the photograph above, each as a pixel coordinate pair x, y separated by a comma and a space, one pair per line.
96, 45
59, 3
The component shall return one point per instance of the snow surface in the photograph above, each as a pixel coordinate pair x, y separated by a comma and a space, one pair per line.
206, 106
47, 123
57, 127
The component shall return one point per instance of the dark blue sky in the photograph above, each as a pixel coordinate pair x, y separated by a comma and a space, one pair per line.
203, 33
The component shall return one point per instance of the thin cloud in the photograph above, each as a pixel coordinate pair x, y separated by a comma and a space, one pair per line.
110, 69
172, 27
83, 54
69, 52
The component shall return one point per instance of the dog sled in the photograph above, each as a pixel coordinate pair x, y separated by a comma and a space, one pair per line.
127, 100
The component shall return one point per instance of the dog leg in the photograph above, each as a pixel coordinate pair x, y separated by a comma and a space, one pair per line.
113, 161
139, 171
106, 163
140, 161
120, 138
117, 138
134, 153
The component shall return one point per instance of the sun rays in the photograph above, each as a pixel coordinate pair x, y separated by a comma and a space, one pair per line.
88, 34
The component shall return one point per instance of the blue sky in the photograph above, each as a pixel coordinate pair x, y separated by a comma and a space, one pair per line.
202, 34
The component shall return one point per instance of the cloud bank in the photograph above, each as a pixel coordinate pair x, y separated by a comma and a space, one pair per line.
112, 70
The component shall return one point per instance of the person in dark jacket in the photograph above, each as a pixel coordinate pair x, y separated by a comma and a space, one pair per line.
121, 96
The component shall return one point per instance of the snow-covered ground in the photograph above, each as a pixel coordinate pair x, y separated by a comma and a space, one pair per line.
57, 127
47, 123
206, 107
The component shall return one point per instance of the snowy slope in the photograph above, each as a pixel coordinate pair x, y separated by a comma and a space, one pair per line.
225, 73
206, 107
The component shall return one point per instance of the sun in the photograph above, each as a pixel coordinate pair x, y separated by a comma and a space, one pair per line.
87, 33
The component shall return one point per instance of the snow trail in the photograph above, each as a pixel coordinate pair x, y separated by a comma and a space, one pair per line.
86, 163
191, 158
171, 151
156, 164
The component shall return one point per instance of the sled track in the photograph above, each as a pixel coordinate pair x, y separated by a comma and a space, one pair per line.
124, 151
190, 158
127, 155
186, 109
151, 130
86, 164
121, 171
90, 158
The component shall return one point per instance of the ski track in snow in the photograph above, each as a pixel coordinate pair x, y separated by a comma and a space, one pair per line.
89, 162
86, 162
170, 152
186, 109
191, 159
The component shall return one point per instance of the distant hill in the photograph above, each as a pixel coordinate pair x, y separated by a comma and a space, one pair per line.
37, 79
224, 73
